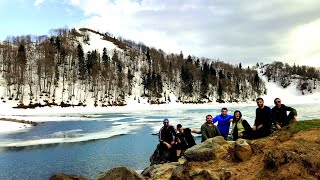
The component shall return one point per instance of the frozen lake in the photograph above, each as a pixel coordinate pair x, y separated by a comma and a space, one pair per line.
89, 143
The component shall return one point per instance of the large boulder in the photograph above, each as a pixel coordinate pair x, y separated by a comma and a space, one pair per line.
242, 150
160, 171
181, 172
119, 173
62, 176
202, 174
154, 159
205, 151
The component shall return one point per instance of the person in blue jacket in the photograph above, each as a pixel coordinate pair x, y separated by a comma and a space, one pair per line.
223, 120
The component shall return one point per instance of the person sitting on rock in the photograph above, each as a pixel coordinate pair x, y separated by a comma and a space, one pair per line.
263, 121
223, 120
184, 139
166, 134
279, 114
240, 127
208, 129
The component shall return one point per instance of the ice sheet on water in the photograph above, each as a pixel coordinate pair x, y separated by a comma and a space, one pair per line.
66, 134
131, 122
73, 136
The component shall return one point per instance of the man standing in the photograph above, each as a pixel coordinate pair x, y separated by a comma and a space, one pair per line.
223, 120
279, 114
208, 129
166, 140
263, 121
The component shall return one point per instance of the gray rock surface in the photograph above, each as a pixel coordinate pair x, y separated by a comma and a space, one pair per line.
180, 173
159, 170
203, 174
119, 173
205, 151
62, 176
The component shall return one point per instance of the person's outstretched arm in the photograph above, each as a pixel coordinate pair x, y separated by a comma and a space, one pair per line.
195, 131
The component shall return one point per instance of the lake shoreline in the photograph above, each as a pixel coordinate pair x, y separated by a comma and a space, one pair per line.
21, 121
8, 125
130, 107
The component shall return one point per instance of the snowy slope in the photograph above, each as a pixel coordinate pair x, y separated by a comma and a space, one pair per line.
97, 43
288, 95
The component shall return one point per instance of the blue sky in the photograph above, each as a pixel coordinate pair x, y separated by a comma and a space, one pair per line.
22, 17
233, 31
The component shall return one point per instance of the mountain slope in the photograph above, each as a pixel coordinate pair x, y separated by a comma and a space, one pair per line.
85, 67
292, 92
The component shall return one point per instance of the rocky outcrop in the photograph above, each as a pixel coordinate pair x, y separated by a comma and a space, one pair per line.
283, 155
154, 159
286, 154
159, 171
242, 150
202, 174
62, 176
208, 150
181, 172
119, 173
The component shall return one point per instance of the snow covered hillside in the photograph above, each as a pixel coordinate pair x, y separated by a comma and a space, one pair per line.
290, 94
88, 68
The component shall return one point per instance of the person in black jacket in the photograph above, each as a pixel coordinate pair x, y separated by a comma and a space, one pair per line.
184, 139
279, 114
240, 127
166, 134
263, 122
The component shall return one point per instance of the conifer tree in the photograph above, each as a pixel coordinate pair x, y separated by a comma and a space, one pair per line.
257, 81
80, 56
89, 63
205, 79
105, 57
220, 90
22, 62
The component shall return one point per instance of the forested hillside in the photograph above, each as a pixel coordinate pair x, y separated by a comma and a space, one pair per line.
305, 78
72, 67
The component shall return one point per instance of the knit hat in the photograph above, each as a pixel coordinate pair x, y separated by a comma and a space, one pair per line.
165, 120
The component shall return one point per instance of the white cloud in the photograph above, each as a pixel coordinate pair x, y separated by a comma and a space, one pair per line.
37, 3
233, 31
305, 43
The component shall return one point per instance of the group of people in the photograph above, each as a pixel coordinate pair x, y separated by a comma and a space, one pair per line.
175, 146
176, 141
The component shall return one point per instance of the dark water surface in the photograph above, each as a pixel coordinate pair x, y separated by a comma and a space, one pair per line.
84, 158
130, 143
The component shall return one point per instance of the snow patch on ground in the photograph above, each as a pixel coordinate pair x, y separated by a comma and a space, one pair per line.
97, 43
